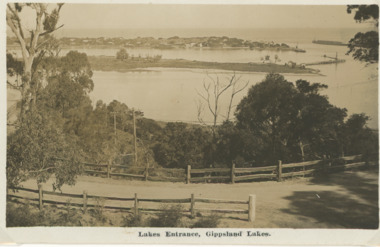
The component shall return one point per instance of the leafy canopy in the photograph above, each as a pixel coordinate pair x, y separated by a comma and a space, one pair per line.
365, 46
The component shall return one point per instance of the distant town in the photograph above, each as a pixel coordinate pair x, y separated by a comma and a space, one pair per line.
174, 42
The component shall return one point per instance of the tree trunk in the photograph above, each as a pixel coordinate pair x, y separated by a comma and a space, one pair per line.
27, 91
302, 150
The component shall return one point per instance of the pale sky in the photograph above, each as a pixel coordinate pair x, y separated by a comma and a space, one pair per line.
100, 16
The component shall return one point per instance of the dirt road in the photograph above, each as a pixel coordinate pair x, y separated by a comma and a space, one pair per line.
344, 200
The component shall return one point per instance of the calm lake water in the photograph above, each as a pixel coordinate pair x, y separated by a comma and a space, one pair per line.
171, 94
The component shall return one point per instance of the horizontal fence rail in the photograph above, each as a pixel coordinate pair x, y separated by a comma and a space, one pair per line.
82, 201
232, 175
277, 172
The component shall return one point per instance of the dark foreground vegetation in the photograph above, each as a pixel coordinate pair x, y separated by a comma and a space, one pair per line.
171, 216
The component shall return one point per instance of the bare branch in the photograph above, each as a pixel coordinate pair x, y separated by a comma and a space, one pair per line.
50, 31
200, 110
40, 9
235, 91
16, 30
13, 86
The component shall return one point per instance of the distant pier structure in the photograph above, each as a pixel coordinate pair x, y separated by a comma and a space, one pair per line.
334, 60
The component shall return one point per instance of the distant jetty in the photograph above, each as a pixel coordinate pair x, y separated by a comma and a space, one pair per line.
333, 60
326, 62
328, 42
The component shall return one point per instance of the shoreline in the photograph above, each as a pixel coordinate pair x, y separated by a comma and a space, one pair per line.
108, 63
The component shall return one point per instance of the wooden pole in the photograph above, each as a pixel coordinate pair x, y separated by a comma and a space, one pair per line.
329, 157
134, 135
188, 176
279, 171
304, 170
233, 173
40, 195
146, 173
251, 208
136, 209
192, 205
84, 201
114, 125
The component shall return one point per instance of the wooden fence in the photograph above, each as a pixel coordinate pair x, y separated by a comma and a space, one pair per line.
233, 174
82, 201
277, 172
147, 173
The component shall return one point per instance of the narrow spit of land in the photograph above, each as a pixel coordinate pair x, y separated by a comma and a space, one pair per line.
108, 63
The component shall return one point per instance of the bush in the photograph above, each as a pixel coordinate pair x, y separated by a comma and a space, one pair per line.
211, 221
69, 217
21, 216
170, 217
133, 221
97, 212
122, 54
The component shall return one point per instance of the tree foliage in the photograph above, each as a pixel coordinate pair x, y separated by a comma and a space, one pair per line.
180, 145
32, 49
359, 139
364, 12
289, 122
122, 54
267, 111
53, 128
365, 46
33, 148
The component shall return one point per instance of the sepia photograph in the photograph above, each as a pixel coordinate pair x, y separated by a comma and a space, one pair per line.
190, 122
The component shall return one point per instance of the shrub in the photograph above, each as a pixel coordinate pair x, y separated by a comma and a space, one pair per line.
20, 216
133, 221
97, 212
170, 217
69, 217
211, 221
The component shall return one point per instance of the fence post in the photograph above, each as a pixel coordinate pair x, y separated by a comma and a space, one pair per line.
367, 163
304, 170
108, 170
146, 173
233, 173
330, 163
136, 209
84, 201
188, 176
40, 195
192, 205
251, 208
279, 171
